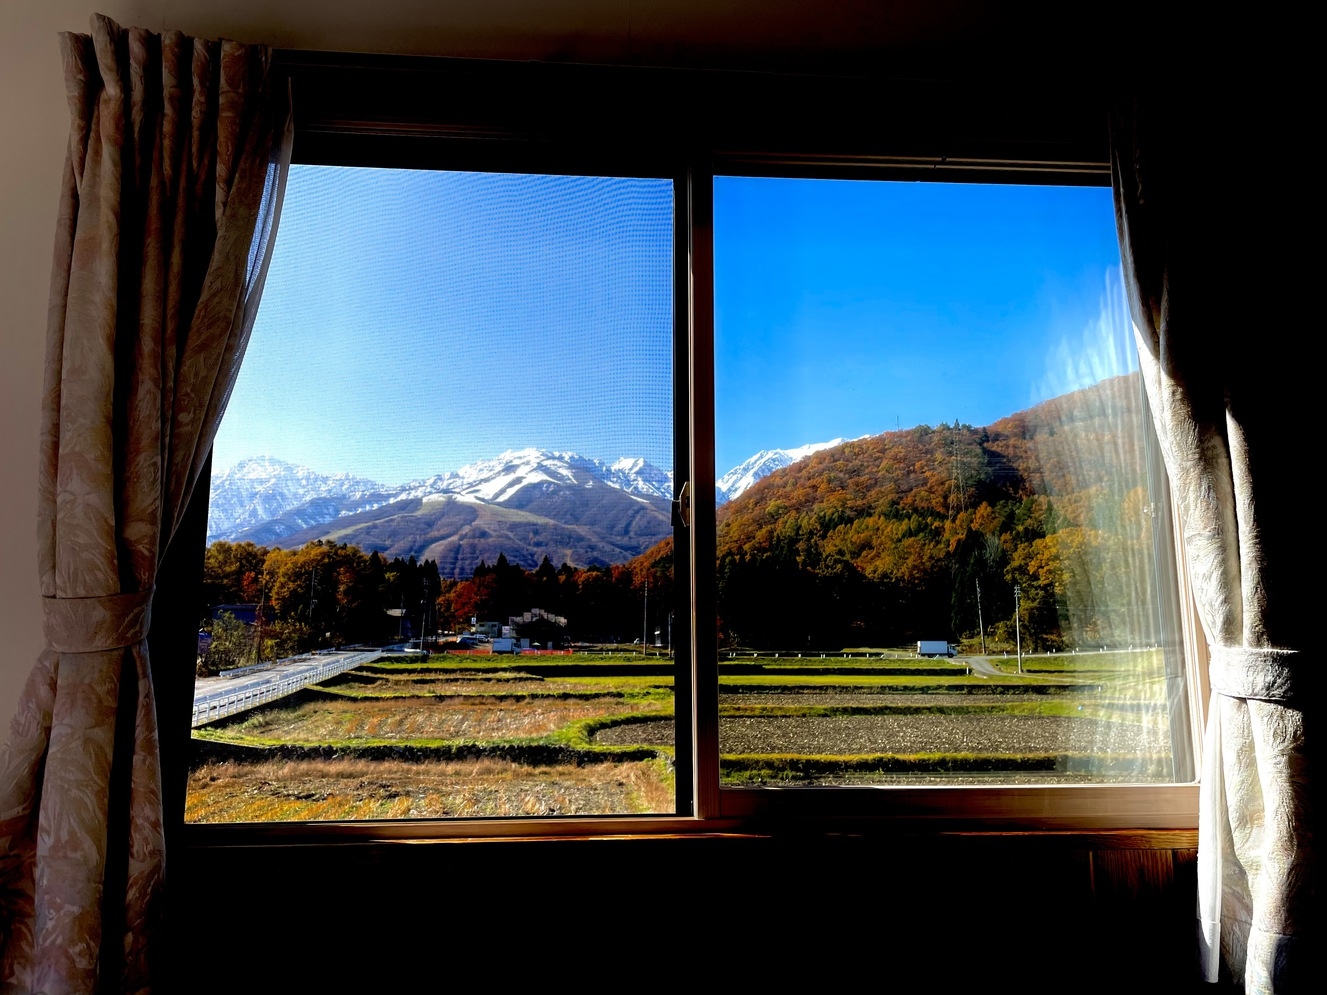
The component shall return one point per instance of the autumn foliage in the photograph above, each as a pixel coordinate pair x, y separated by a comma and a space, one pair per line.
913, 534
890, 539
331, 594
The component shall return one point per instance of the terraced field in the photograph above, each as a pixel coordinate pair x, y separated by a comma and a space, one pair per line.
594, 735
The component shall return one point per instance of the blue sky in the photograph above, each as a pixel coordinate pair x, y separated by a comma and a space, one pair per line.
849, 308
414, 322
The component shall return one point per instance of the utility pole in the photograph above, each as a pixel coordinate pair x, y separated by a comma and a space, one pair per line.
423, 615
645, 622
1018, 637
258, 627
313, 577
981, 626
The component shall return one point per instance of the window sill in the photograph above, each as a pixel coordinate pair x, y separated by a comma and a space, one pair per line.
1168, 813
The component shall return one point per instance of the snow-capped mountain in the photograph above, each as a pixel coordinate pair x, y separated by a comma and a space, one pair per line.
527, 503
499, 478
265, 499
761, 465
257, 490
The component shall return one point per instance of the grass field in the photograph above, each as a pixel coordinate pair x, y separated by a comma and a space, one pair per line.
588, 734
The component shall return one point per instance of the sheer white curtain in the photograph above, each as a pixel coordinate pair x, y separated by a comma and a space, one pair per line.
1212, 293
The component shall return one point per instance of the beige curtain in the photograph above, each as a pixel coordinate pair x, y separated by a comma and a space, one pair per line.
1223, 377
173, 180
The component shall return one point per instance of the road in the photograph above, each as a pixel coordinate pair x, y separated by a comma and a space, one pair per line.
985, 666
982, 665
217, 697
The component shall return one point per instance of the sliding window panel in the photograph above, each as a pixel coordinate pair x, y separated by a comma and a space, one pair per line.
439, 575
943, 550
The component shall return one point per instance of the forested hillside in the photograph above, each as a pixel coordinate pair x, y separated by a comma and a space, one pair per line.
891, 538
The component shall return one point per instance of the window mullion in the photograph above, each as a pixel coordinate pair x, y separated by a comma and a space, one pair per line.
704, 660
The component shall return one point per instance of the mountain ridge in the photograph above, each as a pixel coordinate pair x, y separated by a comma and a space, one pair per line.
526, 503
742, 477
264, 499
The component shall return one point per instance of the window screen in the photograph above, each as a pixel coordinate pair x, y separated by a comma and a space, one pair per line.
942, 545
439, 565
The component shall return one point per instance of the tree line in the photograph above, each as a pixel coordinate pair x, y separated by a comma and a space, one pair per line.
321, 595
328, 594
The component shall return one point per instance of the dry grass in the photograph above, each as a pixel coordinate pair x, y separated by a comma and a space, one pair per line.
471, 718
452, 685
319, 790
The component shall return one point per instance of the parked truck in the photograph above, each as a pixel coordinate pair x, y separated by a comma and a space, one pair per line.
935, 647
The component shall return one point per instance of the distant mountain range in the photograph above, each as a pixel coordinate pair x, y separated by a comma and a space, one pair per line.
258, 491
737, 480
526, 503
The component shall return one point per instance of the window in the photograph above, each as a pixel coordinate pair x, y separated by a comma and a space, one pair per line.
941, 554
440, 504
608, 271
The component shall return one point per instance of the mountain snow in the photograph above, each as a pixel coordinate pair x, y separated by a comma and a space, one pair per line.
253, 492
741, 477
256, 491
499, 478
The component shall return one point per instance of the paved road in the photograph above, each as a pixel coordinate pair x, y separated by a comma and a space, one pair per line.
217, 697
985, 666
982, 665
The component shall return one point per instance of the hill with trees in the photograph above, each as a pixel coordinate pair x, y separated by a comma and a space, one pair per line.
910, 534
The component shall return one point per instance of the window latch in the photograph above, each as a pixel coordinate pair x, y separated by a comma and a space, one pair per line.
682, 505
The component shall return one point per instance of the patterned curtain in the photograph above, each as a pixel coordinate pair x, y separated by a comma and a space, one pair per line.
1207, 278
172, 188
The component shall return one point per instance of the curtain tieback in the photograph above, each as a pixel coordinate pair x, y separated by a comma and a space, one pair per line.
95, 625
1251, 672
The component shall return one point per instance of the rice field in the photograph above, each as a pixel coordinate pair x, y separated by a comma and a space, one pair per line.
427, 719
593, 736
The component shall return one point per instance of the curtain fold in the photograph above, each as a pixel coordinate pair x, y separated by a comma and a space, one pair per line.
1205, 274
173, 180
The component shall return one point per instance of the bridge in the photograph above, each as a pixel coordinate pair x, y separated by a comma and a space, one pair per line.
217, 697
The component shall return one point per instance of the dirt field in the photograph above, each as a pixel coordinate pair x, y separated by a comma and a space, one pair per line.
865, 734
1011, 734
314, 790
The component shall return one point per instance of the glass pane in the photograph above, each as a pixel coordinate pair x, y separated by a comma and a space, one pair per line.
942, 551
438, 578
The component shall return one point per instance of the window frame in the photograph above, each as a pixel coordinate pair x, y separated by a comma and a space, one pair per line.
1105, 806
688, 125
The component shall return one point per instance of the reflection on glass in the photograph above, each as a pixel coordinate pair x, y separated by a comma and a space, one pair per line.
439, 567
942, 553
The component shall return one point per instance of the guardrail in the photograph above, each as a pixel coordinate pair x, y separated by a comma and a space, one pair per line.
254, 668
251, 697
